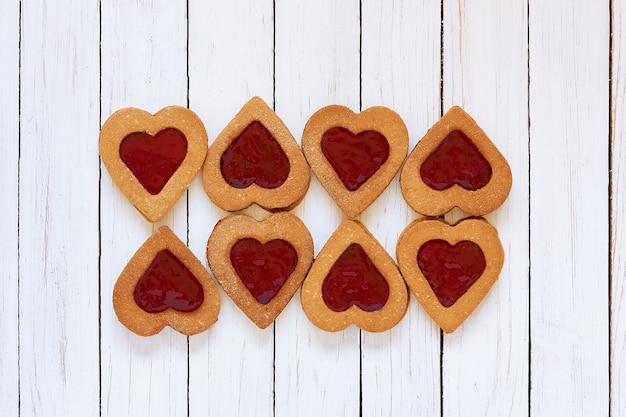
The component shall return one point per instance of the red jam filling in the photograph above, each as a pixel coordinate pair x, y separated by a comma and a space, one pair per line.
255, 157
450, 270
263, 268
355, 158
168, 283
154, 159
355, 280
456, 161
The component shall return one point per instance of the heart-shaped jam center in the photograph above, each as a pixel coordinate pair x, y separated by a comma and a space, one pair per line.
168, 283
255, 157
355, 280
450, 270
355, 158
263, 268
456, 160
154, 159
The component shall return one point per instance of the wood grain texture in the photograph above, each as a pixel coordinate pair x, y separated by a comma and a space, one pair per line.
9, 157
400, 51
58, 219
618, 218
230, 60
317, 64
143, 65
569, 72
486, 357
547, 341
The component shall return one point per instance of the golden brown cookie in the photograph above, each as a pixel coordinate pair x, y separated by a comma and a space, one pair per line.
353, 280
164, 284
153, 158
450, 268
260, 264
255, 159
355, 156
455, 164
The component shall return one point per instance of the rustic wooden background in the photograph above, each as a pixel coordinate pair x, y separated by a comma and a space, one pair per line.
545, 80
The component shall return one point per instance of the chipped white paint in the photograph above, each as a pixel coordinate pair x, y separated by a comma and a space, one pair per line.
75, 358
618, 210
58, 218
569, 142
9, 154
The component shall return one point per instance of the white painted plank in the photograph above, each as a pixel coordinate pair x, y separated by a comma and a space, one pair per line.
569, 72
618, 211
317, 64
144, 64
230, 60
9, 152
485, 361
58, 219
401, 70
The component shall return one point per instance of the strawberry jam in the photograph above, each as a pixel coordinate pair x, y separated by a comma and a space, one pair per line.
154, 159
168, 283
456, 160
255, 157
263, 268
355, 280
450, 270
355, 158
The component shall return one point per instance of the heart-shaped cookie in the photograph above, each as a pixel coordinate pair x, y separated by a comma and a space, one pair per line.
255, 159
450, 268
455, 164
355, 155
153, 158
260, 264
164, 284
353, 280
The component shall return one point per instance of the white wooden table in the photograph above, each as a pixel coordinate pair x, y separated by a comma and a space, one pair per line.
538, 76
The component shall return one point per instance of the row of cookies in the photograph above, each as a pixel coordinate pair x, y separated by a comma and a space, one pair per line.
256, 160
353, 280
